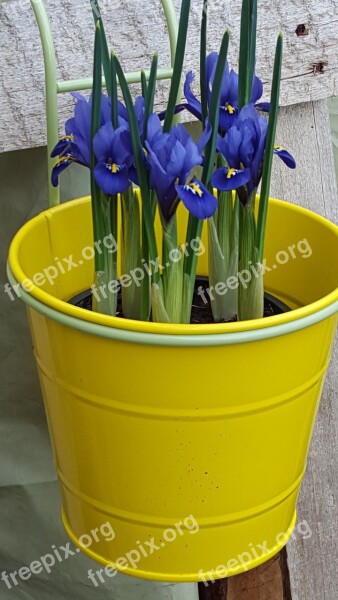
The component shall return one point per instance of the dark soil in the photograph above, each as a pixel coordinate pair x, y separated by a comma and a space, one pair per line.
201, 310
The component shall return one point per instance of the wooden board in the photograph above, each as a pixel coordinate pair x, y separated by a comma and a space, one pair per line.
136, 29
268, 582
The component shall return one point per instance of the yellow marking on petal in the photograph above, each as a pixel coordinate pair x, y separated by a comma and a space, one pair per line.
196, 189
114, 168
231, 173
230, 109
68, 137
278, 148
62, 159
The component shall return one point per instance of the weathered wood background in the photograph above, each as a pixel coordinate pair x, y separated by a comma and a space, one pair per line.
136, 29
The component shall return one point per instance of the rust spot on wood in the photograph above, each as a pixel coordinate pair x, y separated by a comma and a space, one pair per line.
302, 30
318, 68
269, 581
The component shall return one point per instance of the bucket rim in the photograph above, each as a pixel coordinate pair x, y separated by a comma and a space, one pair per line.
167, 333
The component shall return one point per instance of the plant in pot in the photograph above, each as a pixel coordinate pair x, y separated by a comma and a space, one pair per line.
142, 342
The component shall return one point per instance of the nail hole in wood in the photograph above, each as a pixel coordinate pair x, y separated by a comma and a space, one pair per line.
319, 67
302, 30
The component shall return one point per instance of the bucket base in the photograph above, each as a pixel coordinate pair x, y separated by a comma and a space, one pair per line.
182, 578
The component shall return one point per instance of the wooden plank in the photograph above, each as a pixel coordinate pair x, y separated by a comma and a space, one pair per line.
313, 561
136, 29
268, 582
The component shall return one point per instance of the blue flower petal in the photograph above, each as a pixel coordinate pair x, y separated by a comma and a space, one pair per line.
285, 156
111, 182
257, 89
263, 106
210, 67
105, 109
103, 142
139, 112
122, 110
205, 137
62, 164
154, 129
231, 89
63, 146
228, 116
197, 199
193, 102
178, 108
225, 179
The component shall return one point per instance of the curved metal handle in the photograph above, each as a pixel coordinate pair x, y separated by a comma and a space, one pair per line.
55, 87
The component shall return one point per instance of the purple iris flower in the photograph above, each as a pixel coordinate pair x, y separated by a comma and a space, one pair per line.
113, 150
229, 94
170, 158
243, 148
75, 146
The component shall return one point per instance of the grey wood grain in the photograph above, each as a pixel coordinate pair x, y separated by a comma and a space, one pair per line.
136, 29
313, 562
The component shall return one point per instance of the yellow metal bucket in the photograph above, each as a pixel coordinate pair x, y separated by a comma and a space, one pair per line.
188, 442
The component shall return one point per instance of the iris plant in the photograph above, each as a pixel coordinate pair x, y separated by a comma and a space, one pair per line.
140, 165
228, 109
243, 148
171, 158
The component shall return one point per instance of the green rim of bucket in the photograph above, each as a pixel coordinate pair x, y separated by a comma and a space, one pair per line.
156, 339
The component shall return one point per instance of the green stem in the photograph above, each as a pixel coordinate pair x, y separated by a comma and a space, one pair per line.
144, 84
150, 95
194, 225
142, 174
270, 143
203, 56
97, 209
104, 45
178, 64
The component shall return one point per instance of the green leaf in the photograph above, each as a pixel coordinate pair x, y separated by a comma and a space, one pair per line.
270, 144
251, 288
113, 94
217, 274
203, 57
178, 64
194, 225
97, 209
104, 45
253, 40
224, 223
214, 109
173, 273
140, 168
159, 313
131, 258
150, 97
144, 84
247, 51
